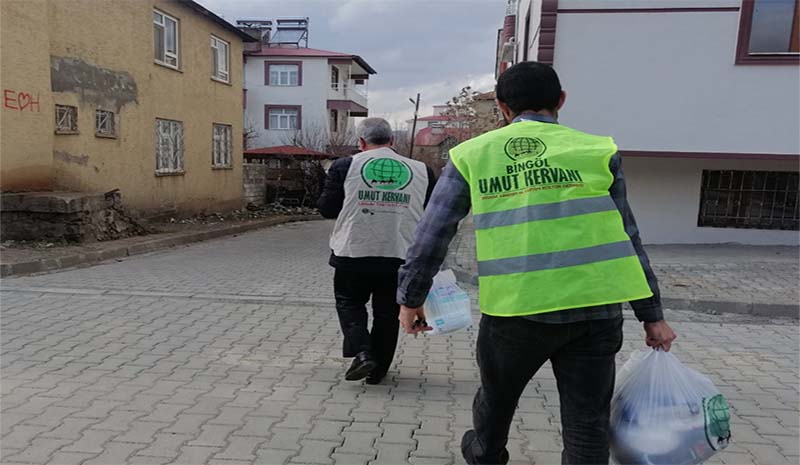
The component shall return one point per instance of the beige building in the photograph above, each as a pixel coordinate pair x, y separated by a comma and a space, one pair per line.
141, 96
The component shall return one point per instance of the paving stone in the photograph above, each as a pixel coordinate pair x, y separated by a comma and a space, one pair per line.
316, 451
166, 445
352, 459
358, 443
214, 435
398, 433
114, 452
392, 454
91, 441
39, 451
190, 455
767, 455
72, 458
284, 439
21, 435
240, 448
431, 446
273, 456
328, 430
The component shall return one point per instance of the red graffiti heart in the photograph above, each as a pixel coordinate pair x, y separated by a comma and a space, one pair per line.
24, 99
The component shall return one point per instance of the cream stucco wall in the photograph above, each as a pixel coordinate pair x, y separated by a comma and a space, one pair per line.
665, 197
26, 109
108, 63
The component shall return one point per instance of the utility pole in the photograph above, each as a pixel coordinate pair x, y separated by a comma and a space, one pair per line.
414, 126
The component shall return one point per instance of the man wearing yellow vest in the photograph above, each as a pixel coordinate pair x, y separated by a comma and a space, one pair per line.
558, 252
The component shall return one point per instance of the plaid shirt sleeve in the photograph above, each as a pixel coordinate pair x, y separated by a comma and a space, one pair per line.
448, 205
649, 309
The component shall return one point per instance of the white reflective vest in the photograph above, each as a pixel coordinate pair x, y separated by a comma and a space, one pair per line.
384, 197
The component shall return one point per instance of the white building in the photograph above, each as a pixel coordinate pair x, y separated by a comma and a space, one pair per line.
292, 88
701, 97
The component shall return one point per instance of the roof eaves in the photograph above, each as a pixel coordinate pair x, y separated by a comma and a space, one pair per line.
213, 17
361, 62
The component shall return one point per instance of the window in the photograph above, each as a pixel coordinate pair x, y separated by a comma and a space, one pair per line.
283, 117
165, 36
104, 123
66, 119
334, 121
222, 146
334, 78
220, 59
274, 163
769, 32
444, 148
749, 199
169, 146
284, 74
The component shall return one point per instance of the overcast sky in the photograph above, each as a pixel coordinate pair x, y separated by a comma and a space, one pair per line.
434, 47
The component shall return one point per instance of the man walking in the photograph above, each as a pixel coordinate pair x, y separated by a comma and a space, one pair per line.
558, 251
377, 198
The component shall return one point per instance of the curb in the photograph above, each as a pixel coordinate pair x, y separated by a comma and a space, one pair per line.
47, 265
697, 305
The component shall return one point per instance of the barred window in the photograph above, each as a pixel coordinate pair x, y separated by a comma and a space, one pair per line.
222, 146
104, 123
169, 146
66, 119
749, 199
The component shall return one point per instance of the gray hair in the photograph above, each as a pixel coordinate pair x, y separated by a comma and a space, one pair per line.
375, 131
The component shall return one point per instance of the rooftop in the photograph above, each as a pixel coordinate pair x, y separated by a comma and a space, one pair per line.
267, 51
287, 150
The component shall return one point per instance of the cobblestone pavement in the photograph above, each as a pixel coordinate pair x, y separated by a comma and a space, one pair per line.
227, 352
718, 274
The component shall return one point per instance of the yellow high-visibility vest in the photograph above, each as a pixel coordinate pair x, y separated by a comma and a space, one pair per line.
548, 234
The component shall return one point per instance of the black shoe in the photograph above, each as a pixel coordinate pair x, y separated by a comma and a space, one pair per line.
469, 444
374, 377
362, 365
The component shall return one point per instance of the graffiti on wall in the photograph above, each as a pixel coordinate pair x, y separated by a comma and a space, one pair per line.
21, 101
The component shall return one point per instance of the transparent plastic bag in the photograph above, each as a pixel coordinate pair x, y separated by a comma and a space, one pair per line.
447, 307
664, 413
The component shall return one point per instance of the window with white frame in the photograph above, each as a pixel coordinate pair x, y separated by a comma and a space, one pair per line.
274, 163
220, 59
222, 146
284, 118
66, 119
284, 75
104, 123
165, 36
169, 146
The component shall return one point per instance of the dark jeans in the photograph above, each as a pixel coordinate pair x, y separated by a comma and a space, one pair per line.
511, 350
353, 290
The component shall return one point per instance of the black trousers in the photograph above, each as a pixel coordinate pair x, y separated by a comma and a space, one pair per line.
511, 350
353, 290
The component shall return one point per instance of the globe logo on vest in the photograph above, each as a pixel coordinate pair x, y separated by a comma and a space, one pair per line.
386, 174
518, 148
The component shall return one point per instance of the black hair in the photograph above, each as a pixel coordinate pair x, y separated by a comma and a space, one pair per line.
529, 85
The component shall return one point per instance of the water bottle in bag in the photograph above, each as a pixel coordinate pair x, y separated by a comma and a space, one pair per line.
447, 307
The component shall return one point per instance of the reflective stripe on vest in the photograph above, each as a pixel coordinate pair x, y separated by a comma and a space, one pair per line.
545, 211
548, 235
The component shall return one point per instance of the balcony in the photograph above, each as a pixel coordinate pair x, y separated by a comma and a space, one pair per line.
349, 91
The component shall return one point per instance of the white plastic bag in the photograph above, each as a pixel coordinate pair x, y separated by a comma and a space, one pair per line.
664, 413
447, 307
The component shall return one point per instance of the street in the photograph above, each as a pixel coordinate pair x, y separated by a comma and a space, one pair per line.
229, 352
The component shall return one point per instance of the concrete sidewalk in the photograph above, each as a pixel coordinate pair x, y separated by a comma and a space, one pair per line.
25, 261
712, 278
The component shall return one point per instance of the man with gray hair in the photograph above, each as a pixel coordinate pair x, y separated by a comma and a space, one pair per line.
377, 198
